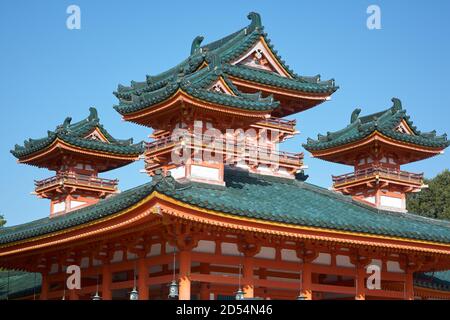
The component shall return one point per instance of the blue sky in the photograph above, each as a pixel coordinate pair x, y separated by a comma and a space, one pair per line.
48, 72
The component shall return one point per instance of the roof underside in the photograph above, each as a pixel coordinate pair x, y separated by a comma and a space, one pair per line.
384, 122
258, 197
76, 135
218, 56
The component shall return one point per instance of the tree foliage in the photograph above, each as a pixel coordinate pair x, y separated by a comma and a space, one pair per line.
434, 201
2, 220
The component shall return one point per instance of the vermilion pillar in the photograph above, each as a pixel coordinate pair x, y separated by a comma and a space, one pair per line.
204, 287
44, 286
409, 286
360, 282
142, 279
106, 282
73, 294
248, 277
307, 281
204, 291
185, 271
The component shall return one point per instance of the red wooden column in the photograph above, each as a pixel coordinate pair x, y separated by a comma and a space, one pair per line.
44, 286
409, 285
185, 273
360, 282
106, 281
249, 247
307, 280
142, 278
204, 287
73, 295
247, 279
307, 254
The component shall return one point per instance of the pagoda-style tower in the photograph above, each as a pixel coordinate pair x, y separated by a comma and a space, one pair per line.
77, 153
376, 146
221, 106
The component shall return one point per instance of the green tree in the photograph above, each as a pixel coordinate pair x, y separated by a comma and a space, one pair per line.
434, 201
2, 221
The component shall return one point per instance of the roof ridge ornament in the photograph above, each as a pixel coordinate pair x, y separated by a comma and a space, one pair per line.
64, 127
355, 115
164, 182
195, 47
397, 105
93, 114
256, 21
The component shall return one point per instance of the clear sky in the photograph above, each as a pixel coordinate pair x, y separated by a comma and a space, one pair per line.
48, 72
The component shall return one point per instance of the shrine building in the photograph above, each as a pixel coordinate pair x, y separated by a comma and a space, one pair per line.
226, 214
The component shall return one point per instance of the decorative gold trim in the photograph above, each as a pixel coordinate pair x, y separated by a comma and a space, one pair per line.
163, 197
55, 144
280, 224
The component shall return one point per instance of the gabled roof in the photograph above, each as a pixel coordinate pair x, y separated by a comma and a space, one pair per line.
75, 134
196, 85
385, 122
216, 57
252, 196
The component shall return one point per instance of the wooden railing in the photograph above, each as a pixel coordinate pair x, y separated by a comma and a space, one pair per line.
279, 122
242, 150
77, 179
416, 178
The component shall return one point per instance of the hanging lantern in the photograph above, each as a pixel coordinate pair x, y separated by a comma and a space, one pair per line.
239, 294
96, 296
173, 286
173, 290
301, 296
134, 294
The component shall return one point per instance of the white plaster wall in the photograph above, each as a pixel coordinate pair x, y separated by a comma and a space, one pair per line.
323, 258
178, 172
155, 250
84, 262
391, 202
205, 246
117, 256
74, 204
343, 261
266, 253
206, 173
289, 255
59, 207
394, 266
229, 249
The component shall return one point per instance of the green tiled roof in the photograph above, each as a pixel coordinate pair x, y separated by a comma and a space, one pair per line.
384, 122
75, 133
196, 84
260, 197
433, 280
219, 55
17, 284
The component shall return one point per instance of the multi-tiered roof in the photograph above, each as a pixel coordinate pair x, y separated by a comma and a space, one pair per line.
77, 152
226, 61
86, 138
392, 126
377, 145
